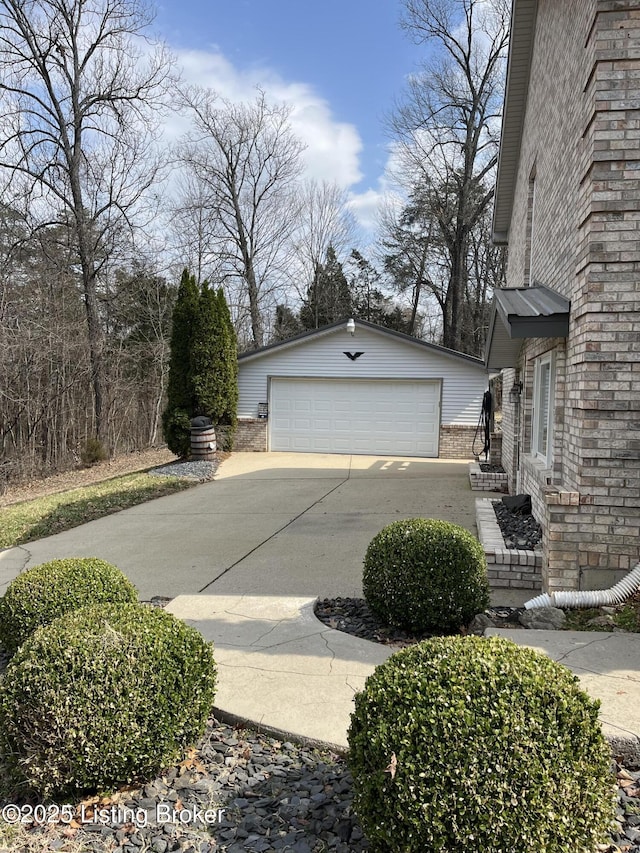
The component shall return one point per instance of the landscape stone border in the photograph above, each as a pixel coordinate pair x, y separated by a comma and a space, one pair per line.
514, 568
486, 481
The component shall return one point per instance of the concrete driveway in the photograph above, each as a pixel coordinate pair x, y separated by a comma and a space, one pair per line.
270, 524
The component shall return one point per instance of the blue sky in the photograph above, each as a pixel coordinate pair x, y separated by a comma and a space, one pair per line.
340, 63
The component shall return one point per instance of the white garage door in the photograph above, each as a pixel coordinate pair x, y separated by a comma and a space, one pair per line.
378, 416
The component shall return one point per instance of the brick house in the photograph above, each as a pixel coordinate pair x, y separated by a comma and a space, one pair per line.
566, 330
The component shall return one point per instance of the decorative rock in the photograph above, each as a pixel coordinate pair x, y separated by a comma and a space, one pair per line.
196, 469
480, 623
543, 618
601, 622
518, 531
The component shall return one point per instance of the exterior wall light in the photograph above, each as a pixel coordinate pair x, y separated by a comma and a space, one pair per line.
351, 326
515, 392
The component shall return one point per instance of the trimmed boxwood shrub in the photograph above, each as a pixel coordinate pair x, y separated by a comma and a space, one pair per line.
423, 574
42, 593
104, 696
471, 743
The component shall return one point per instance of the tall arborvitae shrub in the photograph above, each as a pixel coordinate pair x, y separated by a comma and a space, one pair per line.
228, 368
203, 372
203, 354
180, 390
214, 363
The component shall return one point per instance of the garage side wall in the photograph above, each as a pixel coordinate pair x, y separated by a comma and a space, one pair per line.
383, 356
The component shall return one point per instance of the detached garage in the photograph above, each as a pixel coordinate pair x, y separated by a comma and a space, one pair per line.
367, 390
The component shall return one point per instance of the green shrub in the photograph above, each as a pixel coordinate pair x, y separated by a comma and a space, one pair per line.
93, 451
467, 743
41, 594
225, 436
176, 426
104, 696
423, 574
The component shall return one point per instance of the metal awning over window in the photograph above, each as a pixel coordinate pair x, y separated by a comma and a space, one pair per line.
523, 312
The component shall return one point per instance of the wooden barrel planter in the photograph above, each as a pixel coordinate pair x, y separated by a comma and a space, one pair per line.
203, 443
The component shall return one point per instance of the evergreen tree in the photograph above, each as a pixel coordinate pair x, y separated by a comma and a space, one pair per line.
329, 297
227, 367
287, 324
204, 354
181, 401
203, 372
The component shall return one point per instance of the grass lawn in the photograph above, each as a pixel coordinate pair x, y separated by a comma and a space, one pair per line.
24, 522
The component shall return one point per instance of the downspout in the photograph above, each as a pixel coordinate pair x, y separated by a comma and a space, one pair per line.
517, 426
589, 598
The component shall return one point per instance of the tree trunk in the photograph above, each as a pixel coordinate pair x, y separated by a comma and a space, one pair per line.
96, 352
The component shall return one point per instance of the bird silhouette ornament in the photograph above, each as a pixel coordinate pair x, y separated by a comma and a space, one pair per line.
353, 355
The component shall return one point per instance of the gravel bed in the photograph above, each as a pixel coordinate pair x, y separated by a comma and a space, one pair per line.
243, 791
518, 531
487, 468
353, 616
200, 469
262, 795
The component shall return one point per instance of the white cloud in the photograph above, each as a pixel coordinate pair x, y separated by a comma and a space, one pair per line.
332, 147
388, 194
365, 207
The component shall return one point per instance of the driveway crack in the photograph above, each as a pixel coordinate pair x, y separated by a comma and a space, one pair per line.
25, 551
325, 639
581, 648
273, 535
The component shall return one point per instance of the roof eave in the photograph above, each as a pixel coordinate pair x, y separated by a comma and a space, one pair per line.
523, 19
324, 330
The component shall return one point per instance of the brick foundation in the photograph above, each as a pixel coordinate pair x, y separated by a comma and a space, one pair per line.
456, 441
251, 435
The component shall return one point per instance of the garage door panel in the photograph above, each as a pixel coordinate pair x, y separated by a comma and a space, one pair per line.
355, 416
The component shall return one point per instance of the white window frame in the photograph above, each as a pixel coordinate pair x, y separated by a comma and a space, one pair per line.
543, 410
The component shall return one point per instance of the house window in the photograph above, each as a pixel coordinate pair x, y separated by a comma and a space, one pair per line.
543, 383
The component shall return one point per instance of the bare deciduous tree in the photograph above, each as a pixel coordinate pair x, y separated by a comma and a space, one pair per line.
448, 127
324, 221
79, 87
246, 161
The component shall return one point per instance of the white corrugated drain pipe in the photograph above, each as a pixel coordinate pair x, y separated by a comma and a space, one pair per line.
589, 598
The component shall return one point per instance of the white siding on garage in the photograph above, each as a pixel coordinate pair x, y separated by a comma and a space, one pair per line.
371, 416
385, 356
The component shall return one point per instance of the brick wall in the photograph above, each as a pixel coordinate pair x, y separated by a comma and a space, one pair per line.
495, 454
510, 430
251, 434
582, 141
456, 441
